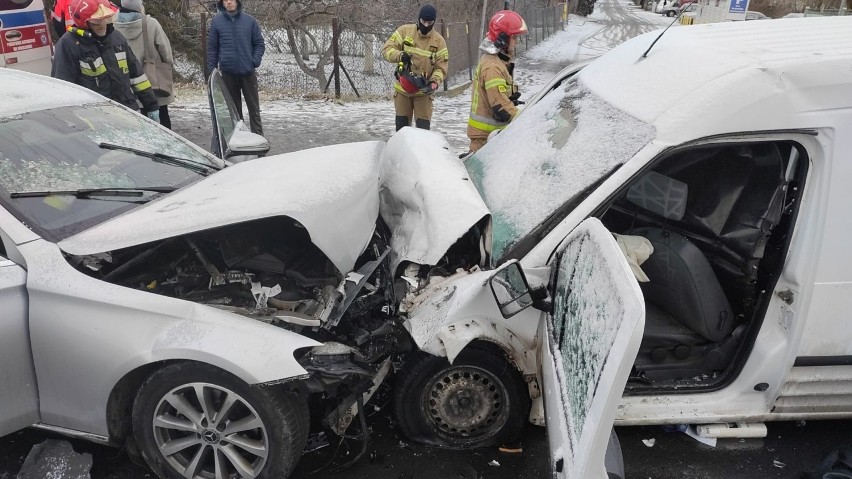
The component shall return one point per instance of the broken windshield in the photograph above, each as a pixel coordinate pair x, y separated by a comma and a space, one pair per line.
59, 150
565, 143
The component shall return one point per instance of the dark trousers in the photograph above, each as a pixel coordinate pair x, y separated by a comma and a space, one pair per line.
245, 86
165, 119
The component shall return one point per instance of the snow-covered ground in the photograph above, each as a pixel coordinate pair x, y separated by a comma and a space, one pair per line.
296, 123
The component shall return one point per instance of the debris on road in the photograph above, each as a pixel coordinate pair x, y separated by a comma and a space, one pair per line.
494, 463
55, 459
778, 464
649, 442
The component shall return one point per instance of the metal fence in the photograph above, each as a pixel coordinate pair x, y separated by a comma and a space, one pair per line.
362, 70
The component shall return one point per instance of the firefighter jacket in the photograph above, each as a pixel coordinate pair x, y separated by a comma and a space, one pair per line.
491, 107
61, 18
429, 54
104, 65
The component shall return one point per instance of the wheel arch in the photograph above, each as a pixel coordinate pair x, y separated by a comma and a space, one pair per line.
451, 339
120, 403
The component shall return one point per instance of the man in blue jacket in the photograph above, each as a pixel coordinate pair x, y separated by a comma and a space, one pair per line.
235, 45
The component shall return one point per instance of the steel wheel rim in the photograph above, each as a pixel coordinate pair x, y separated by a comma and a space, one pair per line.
466, 403
205, 431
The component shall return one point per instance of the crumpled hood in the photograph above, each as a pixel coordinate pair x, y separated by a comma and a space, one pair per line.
335, 192
428, 200
332, 191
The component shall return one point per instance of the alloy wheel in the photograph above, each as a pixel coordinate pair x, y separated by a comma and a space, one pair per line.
205, 431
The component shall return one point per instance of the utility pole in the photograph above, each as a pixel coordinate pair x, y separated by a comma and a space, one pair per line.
482, 25
842, 7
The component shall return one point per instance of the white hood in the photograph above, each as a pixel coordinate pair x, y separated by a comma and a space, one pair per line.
427, 201
332, 191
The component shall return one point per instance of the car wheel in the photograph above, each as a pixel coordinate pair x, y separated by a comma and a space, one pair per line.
479, 400
670, 13
194, 421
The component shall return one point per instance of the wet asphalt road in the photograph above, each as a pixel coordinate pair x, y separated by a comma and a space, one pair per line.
790, 449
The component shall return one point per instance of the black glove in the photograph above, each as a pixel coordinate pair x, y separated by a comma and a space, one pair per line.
432, 87
405, 58
514, 98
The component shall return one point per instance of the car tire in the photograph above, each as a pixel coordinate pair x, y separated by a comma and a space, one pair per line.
670, 13
479, 400
252, 433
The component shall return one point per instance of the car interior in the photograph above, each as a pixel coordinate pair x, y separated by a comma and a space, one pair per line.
719, 219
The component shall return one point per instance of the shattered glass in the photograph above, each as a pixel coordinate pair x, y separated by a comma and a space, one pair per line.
586, 321
564, 144
58, 149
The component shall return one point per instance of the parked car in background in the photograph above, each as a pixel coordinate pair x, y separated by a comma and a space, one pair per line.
677, 8
730, 205
756, 16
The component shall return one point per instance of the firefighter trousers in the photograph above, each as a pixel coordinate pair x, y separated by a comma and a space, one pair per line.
419, 107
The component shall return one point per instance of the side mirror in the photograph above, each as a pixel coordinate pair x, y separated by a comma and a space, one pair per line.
245, 143
510, 289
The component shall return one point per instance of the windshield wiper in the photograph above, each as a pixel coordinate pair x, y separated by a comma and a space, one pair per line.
83, 193
197, 166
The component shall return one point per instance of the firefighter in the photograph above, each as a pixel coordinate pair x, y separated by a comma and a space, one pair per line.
494, 100
60, 18
421, 56
97, 57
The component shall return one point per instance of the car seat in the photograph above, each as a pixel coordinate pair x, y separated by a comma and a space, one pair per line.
687, 313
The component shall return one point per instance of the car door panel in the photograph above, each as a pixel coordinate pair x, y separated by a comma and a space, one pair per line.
593, 335
18, 392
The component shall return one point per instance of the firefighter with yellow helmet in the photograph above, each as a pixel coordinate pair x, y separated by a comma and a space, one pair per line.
421, 56
495, 96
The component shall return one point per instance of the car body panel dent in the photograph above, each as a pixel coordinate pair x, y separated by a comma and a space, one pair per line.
142, 328
428, 200
338, 211
458, 311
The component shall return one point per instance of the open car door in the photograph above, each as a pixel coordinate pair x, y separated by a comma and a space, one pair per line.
232, 138
589, 342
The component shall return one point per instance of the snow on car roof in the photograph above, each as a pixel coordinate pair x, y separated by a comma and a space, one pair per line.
23, 92
727, 74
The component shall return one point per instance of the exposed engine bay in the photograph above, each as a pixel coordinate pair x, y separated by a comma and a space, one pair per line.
269, 270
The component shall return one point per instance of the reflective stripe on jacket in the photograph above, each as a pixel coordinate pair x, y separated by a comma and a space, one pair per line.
61, 17
106, 66
493, 85
429, 55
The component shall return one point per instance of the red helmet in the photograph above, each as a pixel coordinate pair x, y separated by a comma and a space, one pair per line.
84, 10
412, 83
503, 25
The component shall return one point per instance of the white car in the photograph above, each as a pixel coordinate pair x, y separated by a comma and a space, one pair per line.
201, 311
729, 197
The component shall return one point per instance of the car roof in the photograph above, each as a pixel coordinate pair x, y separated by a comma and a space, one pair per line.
23, 92
740, 76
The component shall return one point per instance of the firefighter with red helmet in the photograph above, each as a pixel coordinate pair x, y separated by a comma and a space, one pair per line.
421, 56
495, 96
97, 57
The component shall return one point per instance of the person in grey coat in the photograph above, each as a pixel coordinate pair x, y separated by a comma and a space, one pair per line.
131, 19
235, 45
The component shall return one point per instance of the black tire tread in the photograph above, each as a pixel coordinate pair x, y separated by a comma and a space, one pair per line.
414, 374
290, 416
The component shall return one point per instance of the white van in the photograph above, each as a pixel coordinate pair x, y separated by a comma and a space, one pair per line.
25, 42
730, 198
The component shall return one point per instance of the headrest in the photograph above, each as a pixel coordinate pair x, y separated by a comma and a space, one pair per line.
660, 195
